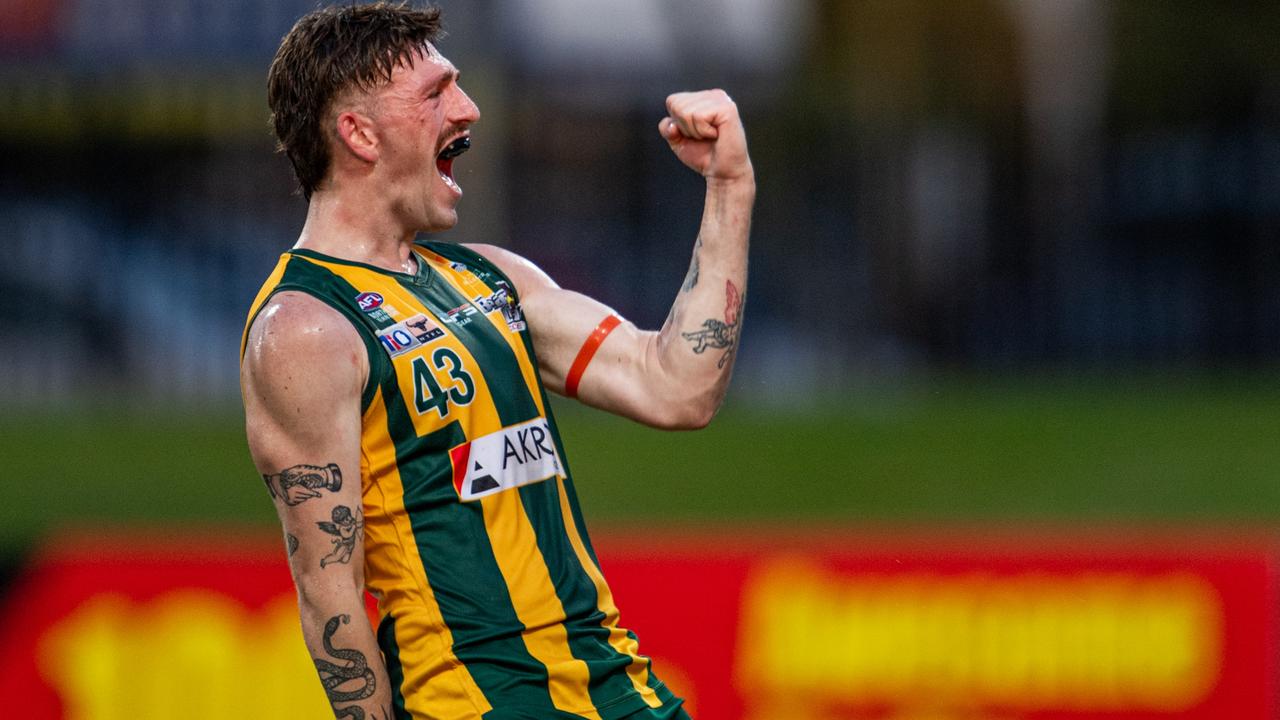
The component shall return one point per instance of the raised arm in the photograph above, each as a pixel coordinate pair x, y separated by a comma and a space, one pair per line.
303, 371
677, 377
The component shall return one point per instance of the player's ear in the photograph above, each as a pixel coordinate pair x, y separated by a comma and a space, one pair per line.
356, 134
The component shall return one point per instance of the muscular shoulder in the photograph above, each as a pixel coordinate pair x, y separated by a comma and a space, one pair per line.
528, 278
301, 351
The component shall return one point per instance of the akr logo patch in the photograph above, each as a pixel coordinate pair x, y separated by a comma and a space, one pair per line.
518, 455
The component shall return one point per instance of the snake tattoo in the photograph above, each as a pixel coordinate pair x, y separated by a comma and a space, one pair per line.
333, 676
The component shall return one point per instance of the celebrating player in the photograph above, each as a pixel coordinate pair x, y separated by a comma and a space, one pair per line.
395, 393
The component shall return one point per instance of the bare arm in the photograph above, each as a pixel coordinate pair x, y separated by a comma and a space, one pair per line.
303, 370
675, 377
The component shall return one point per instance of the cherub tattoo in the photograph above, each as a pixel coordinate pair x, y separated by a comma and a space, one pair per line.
720, 335
300, 483
343, 529
353, 673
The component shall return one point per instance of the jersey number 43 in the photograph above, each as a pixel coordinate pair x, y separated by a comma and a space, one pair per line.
429, 394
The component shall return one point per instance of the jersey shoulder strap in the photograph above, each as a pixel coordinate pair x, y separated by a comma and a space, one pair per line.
299, 273
477, 264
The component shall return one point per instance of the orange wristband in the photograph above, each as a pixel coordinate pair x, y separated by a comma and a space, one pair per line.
587, 352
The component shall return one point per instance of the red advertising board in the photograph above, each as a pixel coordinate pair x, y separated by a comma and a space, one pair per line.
746, 624
951, 626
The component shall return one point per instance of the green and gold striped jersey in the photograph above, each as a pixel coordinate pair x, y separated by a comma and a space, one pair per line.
490, 597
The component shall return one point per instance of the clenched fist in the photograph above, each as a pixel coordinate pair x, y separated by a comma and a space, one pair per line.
705, 132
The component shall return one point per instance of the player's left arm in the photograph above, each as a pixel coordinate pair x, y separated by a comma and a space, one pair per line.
675, 377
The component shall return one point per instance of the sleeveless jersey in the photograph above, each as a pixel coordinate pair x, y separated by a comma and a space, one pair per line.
490, 598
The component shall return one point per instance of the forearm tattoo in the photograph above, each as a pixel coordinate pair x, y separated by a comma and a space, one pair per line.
719, 335
344, 529
300, 483
691, 280
291, 542
351, 681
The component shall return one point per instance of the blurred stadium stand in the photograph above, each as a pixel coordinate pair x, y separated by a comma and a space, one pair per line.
989, 185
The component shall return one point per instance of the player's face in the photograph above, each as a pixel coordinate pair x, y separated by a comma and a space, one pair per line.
424, 116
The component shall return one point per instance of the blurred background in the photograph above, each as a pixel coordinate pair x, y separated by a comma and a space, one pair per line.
1013, 261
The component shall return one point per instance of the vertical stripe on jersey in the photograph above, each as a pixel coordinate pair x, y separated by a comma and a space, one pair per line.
469, 587
607, 615
580, 647
398, 573
511, 537
395, 669
529, 359
623, 641
595, 636
536, 601
521, 347
589, 637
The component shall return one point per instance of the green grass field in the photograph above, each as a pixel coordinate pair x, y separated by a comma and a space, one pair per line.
1031, 449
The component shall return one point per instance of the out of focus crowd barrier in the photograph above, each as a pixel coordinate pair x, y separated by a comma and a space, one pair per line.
748, 625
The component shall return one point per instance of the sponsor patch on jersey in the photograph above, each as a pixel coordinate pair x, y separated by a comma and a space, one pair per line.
369, 301
501, 300
460, 315
412, 333
518, 455
469, 276
496, 301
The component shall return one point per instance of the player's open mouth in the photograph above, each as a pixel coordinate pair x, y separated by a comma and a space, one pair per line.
444, 161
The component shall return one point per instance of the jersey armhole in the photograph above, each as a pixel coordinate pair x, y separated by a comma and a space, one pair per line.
377, 369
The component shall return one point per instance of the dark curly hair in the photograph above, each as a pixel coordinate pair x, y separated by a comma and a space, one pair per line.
328, 52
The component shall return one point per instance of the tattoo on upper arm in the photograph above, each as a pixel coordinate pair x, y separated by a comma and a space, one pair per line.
344, 529
719, 335
352, 680
292, 543
300, 483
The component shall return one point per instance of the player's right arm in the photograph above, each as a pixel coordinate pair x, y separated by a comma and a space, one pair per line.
302, 375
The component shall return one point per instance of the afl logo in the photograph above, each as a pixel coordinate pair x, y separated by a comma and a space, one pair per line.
369, 301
